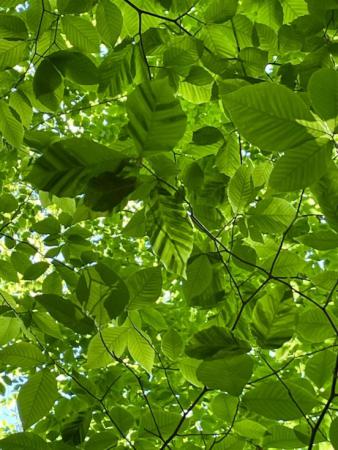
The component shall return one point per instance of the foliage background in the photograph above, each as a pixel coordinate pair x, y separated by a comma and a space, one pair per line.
169, 223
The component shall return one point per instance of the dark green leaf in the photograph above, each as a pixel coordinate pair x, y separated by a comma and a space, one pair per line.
66, 312
12, 27
48, 85
35, 270
74, 7
66, 166
215, 343
75, 66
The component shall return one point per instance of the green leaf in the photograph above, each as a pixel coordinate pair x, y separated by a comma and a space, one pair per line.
282, 437
224, 406
108, 190
326, 192
68, 275
35, 271
164, 420
9, 329
250, 429
313, 326
199, 277
50, 225
172, 344
254, 59
48, 85
145, 287
136, 225
319, 368
293, 9
66, 166
35, 18
243, 253
75, 429
7, 271
227, 48
47, 324
274, 320
75, 66
81, 33
228, 156
12, 27
102, 293
9, 3
23, 355
213, 292
188, 368
12, 53
271, 399
219, 12
272, 215
101, 440
170, 233
66, 312
74, 7
320, 240
11, 129
122, 418
156, 119
36, 397
334, 433
140, 348
198, 76
181, 52
323, 93
215, 343
115, 72
8, 203
266, 114
195, 94
325, 280
301, 167
110, 340
207, 136
23, 441
287, 264
230, 374
241, 189
21, 104
154, 318
109, 21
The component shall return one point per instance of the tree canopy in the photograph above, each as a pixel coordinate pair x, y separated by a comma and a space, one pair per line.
169, 224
